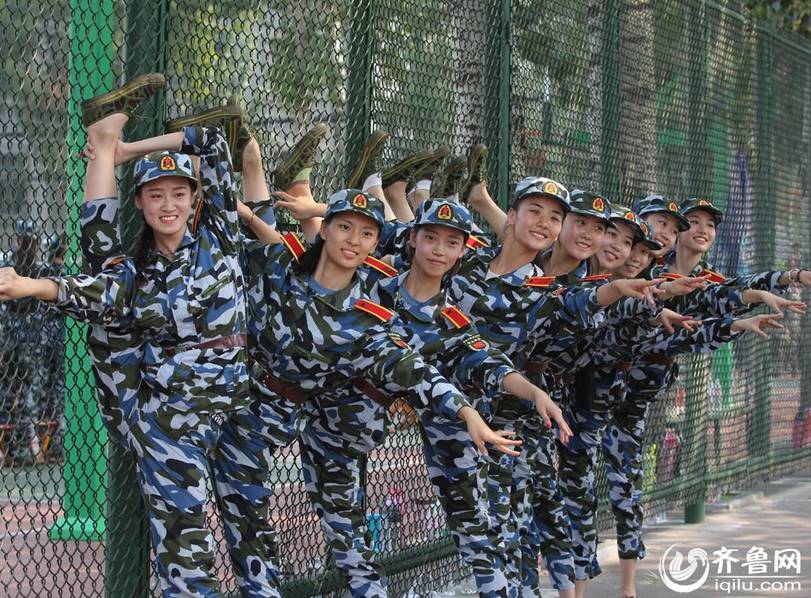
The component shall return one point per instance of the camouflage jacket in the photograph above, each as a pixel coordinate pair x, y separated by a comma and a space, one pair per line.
175, 303
517, 311
322, 342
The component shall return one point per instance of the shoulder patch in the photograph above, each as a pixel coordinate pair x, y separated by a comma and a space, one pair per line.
456, 316
476, 342
670, 275
539, 281
293, 244
713, 276
381, 266
594, 278
375, 309
476, 242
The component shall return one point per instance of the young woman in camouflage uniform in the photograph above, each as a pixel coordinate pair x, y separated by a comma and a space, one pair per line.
650, 376
344, 426
183, 294
517, 308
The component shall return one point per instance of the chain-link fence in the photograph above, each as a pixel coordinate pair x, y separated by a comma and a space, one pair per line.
627, 97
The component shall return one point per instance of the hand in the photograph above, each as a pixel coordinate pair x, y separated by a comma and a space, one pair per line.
482, 435
669, 319
778, 303
122, 153
756, 324
479, 196
638, 288
548, 410
300, 207
681, 286
11, 285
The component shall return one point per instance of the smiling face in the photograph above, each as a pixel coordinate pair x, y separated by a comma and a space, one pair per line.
581, 236
665, 230
536, 222
638, 259
437, 249
166, 204
701, 236
349, 238
617, 244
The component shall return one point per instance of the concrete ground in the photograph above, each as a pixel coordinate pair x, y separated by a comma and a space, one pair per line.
773, 517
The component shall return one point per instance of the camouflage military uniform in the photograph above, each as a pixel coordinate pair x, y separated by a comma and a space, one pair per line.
344, 426
515, 312
648, 379
191, 311
305, 342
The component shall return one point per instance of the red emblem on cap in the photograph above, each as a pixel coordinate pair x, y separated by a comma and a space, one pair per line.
673, 207
630, 216
645, 228
359, 201
703, 202
444, 212
168, 163
550, 188
598, 204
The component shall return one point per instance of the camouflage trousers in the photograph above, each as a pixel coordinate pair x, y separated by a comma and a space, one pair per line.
548, 530
174, 454
458, 474
588, 418
532, 517
337, 435
622, 451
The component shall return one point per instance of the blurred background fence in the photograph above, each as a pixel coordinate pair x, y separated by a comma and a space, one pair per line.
627, 97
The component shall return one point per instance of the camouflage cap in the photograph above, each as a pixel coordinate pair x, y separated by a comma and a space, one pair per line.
659, 203
355, 200
444, 213
162, 164
587, 203
648, 239
701, 203
629, 217
537, 185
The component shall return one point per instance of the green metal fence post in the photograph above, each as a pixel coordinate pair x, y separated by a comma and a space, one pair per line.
496, 128
127, 563
90, 71
610, 180
359, 80
765, 215
699, 178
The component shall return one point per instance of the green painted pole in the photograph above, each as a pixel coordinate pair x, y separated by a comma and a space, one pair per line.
497, 82
610, 183
127, 563
359, 79
90, 72
695, 432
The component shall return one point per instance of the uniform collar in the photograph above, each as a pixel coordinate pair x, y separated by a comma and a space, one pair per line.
517, 277
187, 240
425, 313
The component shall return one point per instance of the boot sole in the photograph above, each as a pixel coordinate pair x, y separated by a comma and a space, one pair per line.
155, 81
308, 144
370, 148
